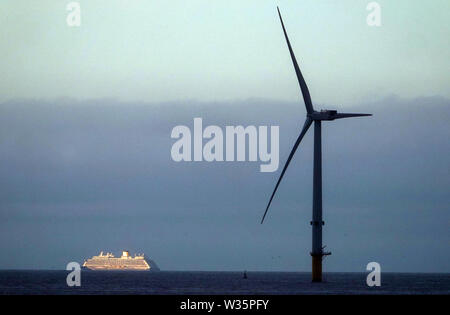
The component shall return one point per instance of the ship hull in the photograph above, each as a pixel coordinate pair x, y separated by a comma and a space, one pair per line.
115, 268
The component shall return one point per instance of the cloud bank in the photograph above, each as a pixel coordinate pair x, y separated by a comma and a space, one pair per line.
78, 177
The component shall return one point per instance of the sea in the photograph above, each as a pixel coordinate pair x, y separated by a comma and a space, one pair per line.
50, 282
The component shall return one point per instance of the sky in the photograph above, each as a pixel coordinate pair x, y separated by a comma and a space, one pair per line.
156, 51
86, 115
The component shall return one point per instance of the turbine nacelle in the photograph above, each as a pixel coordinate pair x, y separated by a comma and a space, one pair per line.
327, 114
324, 114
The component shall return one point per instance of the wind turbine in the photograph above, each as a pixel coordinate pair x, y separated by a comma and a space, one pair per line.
317, 117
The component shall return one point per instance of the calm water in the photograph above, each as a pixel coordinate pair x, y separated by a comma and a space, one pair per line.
165, 282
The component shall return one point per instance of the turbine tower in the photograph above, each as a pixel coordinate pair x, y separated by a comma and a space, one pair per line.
316, 117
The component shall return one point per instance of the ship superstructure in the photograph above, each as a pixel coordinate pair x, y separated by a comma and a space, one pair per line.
109, 262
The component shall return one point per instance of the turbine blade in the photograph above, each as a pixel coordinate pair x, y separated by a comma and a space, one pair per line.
348, 115
301, 80
299, 139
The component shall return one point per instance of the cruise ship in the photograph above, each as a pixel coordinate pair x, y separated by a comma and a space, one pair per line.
125, 262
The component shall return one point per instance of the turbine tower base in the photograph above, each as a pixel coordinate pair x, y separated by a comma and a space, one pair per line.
316, 267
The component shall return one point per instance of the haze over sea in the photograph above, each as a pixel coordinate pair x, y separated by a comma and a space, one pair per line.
198, 282
81, 177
